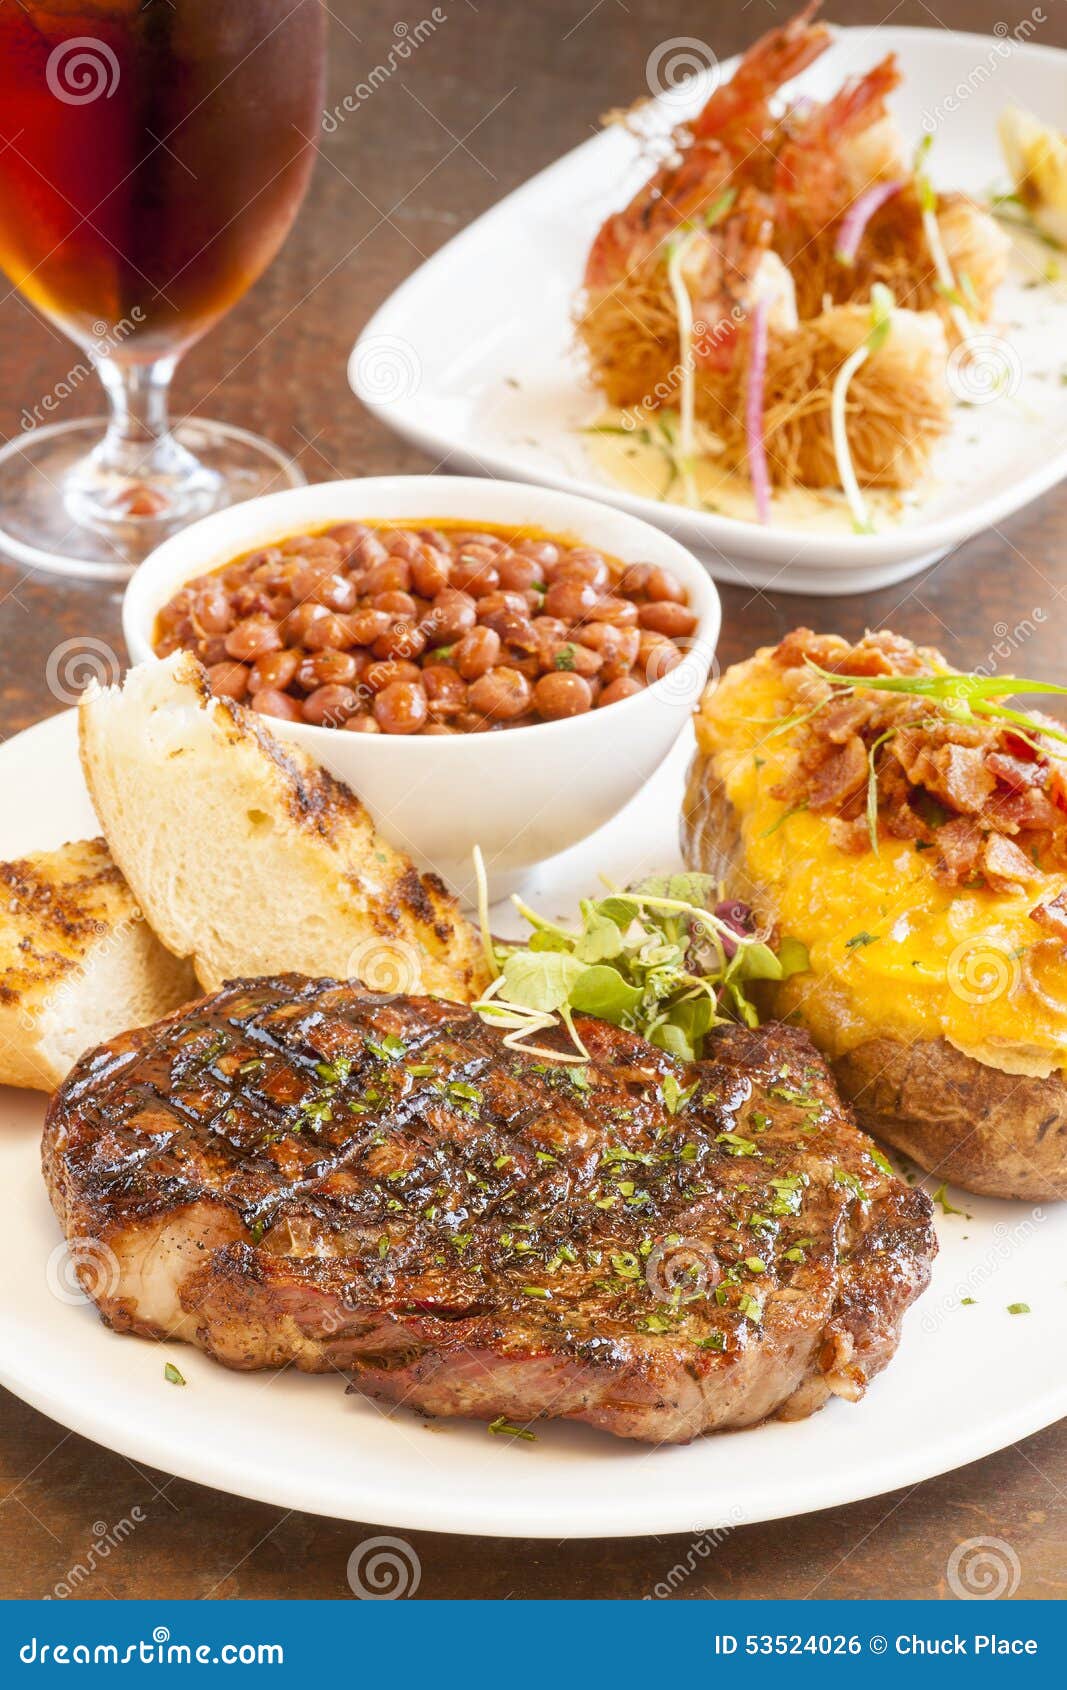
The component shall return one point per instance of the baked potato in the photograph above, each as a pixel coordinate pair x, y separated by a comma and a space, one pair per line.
910, 829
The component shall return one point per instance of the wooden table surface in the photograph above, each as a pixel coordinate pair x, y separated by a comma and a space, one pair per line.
495, 92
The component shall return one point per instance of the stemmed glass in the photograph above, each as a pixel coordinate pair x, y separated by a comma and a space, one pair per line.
153, 156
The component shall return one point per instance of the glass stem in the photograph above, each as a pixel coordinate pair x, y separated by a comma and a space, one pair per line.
139, 469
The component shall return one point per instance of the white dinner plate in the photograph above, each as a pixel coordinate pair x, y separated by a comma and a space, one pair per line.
473, 357
968, 1379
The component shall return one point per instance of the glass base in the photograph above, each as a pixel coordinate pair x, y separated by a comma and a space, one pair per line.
56, 514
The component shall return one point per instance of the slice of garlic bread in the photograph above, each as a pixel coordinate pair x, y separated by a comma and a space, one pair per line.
78, 962
249, 858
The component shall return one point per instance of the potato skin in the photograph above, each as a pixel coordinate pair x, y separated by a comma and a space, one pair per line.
998, 1134
1002, 1135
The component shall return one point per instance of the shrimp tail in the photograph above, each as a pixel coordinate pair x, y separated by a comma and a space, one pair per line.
737, 111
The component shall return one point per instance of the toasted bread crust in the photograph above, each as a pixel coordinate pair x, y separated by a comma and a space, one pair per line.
303, 878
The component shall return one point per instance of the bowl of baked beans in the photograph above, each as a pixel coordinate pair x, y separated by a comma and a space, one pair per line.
482, 662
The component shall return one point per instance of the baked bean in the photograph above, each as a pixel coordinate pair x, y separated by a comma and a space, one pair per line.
395, 604
591, 569
211, 611
366, 626
500, 694
661, 585
476, 652
253, 638
474, 572
325, 668
329, 705
403, 639
381, 675
403, 543
451, 615
368, 551
269, 702
661, 659
212, 650
336, 592
576, 659
618, 647
674, 620
446, 693
329, 631
514, 628
631, 583
542, 551
620, 612
299, 621
426, 629
228, 680
392, 576
624, 686
517, 573
430, 571
276, 670
572, 600
560, 694
401, 708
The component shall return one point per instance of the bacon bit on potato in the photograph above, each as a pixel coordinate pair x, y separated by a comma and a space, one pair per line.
1053, 916
987, 795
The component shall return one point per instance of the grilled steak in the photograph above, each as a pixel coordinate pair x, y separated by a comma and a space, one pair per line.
294, 1171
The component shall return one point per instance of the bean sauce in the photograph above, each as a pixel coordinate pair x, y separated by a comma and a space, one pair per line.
381, 628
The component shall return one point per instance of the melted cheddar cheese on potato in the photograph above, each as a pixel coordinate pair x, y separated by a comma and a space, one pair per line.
894, 949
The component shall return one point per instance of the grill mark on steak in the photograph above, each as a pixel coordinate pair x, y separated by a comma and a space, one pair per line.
296, 1171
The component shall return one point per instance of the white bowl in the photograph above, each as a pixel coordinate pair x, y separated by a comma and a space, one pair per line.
522, 794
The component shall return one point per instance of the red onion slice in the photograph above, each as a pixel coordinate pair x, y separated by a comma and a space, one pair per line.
858, 216
754, 441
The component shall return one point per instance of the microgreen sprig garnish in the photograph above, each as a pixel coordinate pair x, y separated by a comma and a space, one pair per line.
963, 698
668, 959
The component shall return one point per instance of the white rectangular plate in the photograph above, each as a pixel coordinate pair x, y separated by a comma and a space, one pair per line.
473, 357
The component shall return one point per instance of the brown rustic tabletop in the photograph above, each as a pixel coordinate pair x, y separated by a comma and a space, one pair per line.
495, 92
